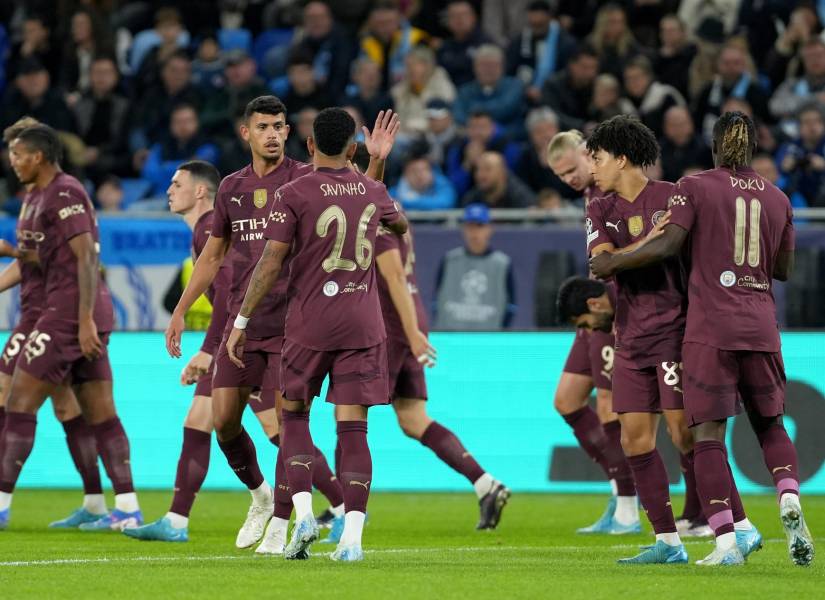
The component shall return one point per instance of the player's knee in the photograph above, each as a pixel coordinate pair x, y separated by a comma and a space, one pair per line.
226, 426
635, 443
410, 424
682, 439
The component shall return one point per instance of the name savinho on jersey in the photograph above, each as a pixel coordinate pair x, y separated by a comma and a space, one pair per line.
344, 189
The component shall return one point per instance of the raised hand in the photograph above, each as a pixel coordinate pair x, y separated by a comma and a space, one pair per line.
380, 141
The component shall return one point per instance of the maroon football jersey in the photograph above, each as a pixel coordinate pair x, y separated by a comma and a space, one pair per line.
218, 292
62, 212
242, 209
738, 223
331, 219
651, 303
386, 241
32, 284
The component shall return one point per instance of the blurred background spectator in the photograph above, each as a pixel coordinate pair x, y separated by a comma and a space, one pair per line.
802, 160
681, 147
423, 81
456, 51
422, 185
495, 186
109, 197
569, 92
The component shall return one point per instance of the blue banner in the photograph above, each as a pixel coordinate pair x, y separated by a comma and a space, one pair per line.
494, 390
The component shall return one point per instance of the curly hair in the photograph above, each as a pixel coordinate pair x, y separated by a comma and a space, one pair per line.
333, 129
626, 136
571, 301
734, 136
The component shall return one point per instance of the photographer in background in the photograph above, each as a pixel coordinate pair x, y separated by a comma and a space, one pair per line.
802, 160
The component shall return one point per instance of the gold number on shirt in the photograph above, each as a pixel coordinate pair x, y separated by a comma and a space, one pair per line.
363, 247
747, 223
607, 357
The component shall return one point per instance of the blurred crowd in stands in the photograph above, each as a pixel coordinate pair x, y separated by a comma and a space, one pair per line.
481, 86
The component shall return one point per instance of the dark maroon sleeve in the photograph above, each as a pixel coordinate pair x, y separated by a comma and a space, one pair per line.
594, 226
221, 223
682, 205
283, 221
788, 242
385, 241
388, 212
220, 314
71, 213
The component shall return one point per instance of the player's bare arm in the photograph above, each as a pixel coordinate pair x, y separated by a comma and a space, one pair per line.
10, 276
263, 278
206, 268
784, 265
668, 244
392, 270
400, 226
88, 272
379, 142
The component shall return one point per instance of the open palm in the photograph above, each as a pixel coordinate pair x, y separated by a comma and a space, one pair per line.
380, 141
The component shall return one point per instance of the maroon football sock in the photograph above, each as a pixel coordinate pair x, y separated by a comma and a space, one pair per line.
780, 458
713, 482
325, 480
113, 446
591, 435
616, 462
299, 451
192, 467
693, 507
16, 443
736, 506
283, 496
83, 447
449, 448
652, 487
338, 459
243, 459
2, 417
356, 464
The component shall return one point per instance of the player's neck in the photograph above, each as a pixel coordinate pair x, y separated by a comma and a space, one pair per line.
263, 167
46, 176
194, 215
322, 161
631, 184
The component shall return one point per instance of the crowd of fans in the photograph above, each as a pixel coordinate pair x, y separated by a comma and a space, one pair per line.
481, 86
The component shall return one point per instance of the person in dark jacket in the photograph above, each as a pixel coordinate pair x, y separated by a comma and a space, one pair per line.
457, 51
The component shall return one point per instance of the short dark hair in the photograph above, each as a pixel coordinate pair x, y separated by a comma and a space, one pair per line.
540, 5
584, 50
42, 138
362, 157
734, 136
183, 106
333, 129
203, 171
480, 112
640, 62
265, 105
626, 136
571, 301
180, 53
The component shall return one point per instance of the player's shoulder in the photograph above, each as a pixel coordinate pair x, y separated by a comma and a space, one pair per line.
601, 203
231, 181
66, 185
662, 187
204, 223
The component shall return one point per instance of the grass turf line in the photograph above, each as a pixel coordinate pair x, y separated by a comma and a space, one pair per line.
418, 545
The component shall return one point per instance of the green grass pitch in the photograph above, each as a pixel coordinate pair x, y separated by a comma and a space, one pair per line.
418, 546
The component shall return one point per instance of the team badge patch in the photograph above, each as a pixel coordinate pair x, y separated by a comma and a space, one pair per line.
657, 216
635, 225
259, 198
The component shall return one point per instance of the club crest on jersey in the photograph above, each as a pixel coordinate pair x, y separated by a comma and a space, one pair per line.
635, 225
657, 216
259, 198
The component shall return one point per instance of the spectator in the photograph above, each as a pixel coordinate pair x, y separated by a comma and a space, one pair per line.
649, 97
169, 27
184, 142
783, 60
209, 65
152, 114
607, 100
109, 195
612, 40
365, 93
475, 287
765, 166
101, 115
491, 91
32, 95
242, 85
441, 132
542, 49
570, 92
681, 147
456, 53
423, 81
482, 135
327, 45
709, 40
694, 12
234, 154
87, 40
423, 186
503, 20
794, 93
304, 90
36, 44
802, 160
496, 187
675, 53
296, 143
732, 79
532, 169
388, 40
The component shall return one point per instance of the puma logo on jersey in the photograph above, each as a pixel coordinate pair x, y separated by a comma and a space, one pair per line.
256, 396
236, 200
614, 225
785, 468
297, 463
64, 194
365, 485
465, 455
726, 501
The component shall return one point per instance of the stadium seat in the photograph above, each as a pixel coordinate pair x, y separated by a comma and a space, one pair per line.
134, 189
805, 290
235, 39
554, 267
266, 41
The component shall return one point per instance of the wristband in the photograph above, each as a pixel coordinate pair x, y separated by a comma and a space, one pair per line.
241, 321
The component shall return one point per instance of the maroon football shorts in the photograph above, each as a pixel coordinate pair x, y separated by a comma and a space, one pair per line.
259, 401
646, 389
52, 354
406, 374
356, 377
15, 343
261, 360
203, 387
716, 379
592, 355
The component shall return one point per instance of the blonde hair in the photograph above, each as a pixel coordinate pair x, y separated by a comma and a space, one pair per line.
562, 142
16, 128
596, 38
